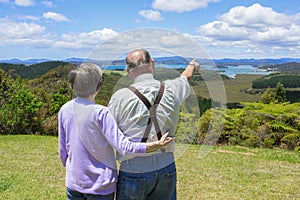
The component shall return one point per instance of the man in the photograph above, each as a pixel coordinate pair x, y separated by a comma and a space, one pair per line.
148, 101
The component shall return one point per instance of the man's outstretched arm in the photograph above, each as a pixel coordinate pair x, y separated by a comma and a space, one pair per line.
188, 72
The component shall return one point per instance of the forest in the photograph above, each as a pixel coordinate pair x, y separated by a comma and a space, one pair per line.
31, 96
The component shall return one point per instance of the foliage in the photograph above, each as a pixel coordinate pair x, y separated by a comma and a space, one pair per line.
60, 97
185, 132
20, 108
31, 71
278, 95
54, 90
288, 80
109, 84
293, 95
292, 141
267, 96
257, 125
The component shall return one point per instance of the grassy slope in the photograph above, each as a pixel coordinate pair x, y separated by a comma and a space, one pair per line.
30, 169
233, 88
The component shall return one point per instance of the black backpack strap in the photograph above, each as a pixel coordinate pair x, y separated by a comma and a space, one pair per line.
152, 109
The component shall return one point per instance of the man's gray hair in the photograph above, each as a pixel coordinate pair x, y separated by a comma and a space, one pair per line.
144, 60
86, 80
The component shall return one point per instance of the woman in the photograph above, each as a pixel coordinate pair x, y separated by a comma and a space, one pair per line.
87, 135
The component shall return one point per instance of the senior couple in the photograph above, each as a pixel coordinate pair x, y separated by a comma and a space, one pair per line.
138, 123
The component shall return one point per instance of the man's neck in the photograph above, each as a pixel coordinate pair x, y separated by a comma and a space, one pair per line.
143, 77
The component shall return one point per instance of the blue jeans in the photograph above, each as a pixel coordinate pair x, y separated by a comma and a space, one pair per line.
154, 185
74, 195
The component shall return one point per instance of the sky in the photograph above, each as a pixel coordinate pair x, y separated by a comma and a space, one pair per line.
60, 29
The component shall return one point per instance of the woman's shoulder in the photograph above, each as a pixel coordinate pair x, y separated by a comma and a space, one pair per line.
100, 108
67, 105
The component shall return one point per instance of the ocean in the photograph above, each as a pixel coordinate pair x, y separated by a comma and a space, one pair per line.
230, 71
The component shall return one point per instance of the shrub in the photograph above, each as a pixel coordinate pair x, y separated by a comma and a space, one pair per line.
186, 133
256, 125
20, 112
292, 141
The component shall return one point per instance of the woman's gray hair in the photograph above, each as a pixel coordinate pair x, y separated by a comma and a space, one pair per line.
86, 80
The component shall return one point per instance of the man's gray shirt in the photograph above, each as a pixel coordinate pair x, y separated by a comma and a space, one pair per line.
132, 115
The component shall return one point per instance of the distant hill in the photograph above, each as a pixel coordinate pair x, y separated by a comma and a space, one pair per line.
31, 71
255, 62
24, 62
165, 60
49, 79
290, 67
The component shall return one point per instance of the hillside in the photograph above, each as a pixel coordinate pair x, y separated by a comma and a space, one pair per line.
290, 67
57, 72
31, 71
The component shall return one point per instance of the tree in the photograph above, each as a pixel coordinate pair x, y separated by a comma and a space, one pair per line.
279, 93
267, 96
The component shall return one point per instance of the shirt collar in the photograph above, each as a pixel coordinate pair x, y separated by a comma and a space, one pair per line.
144, 77
83, 101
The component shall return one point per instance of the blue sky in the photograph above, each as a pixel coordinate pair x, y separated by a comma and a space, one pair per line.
59, 29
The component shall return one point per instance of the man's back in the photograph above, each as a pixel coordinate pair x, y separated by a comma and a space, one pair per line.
152, 176
132, 115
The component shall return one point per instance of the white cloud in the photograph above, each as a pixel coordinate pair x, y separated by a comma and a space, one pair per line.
151, 15
48, 4
14, 30
4, 1
20, 34
180, 5
55, 17
35, 36
85, 40
24, 3
256, 16
254, 29
161, 42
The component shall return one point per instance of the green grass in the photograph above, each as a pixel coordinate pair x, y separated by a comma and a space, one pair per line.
30, 169
233, 88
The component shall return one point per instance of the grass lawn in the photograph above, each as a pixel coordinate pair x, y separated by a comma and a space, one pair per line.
30, 169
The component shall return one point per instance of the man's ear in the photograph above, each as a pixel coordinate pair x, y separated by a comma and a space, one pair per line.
152, 65
129, 74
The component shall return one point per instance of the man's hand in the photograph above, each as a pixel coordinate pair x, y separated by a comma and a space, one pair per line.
188, 72
195, 64
164, 140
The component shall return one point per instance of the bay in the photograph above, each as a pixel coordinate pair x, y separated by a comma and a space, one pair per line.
230, 71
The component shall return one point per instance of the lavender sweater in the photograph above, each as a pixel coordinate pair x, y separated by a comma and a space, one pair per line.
87, 135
